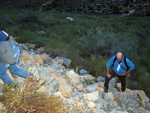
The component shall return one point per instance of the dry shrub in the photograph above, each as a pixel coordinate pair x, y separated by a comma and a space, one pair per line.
27, 100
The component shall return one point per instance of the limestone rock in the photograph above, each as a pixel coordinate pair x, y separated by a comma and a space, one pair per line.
52, 85
130, 110
28, 62
110, 95
73, 77
99, 89
44, 57
112, 83
93, 97
100, 79
141, 109
20, 80
118, 85
43, 90
143, 96
31, 58
58, 94
65, 90
142, 103
39, 60
91, 88
80, 87
24, 56
101, 84
89, 78
122, 99
62, 81
91, 105
66, 61
82, 71
129, 92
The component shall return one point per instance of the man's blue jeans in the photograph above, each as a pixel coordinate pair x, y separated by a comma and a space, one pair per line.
12, 68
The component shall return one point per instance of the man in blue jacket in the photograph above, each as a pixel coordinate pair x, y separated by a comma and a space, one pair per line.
121, 67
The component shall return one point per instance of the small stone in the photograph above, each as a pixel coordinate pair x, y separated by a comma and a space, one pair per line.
80, 87
43, 90
130, 110
118, 85
110, 95
93, 97
141, 109
24, 56
91, 105
82, 71
129, 92
142, 103
28, 62
99, 89
115, 103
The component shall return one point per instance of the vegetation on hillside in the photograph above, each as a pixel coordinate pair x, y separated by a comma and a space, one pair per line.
27, 100
89, 41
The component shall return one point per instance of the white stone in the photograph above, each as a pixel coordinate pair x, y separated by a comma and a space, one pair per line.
93, 97
110, 95
80, 87
91, 105
58, 94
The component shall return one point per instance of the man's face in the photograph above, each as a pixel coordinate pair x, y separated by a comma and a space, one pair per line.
119, 59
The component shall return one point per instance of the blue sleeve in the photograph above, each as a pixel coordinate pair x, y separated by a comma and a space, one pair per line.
110, 62
130, 64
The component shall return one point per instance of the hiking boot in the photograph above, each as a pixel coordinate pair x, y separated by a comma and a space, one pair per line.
105, 90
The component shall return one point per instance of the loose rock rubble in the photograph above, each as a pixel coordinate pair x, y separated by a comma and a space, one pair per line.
56, 79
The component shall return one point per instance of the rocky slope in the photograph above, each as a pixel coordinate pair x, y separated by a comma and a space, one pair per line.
101, 7
82, 90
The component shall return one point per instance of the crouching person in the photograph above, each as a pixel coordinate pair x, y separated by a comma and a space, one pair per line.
9, 55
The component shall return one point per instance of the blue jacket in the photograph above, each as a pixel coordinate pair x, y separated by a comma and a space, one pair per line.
117, 70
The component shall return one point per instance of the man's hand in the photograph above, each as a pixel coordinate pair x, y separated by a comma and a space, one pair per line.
125, 73
108, 75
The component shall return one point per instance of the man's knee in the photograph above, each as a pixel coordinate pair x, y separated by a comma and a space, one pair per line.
13, 68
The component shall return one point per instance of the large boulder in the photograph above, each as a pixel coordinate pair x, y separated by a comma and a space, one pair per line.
123, 100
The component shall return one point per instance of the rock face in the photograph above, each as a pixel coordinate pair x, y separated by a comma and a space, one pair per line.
55, 79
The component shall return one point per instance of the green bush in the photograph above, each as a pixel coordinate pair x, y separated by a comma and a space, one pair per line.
96, 65
29, 17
